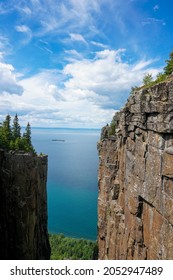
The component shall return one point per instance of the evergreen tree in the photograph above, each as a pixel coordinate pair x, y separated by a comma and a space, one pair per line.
5, 132
7, 127
63, 248
16, 128
27, 134
169, 67
10, 138
26, 139
147, 80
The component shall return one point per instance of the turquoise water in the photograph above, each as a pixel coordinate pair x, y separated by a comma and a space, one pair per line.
72, 179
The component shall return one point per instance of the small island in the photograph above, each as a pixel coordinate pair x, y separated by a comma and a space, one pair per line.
58, 140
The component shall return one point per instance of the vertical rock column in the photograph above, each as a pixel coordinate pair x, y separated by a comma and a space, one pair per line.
23, 206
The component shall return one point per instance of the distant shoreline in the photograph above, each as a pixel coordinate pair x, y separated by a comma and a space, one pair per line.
76, 237
67, 128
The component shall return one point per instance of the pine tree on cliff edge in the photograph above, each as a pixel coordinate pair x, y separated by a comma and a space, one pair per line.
168, 69
16, 128
27, 134
11, 139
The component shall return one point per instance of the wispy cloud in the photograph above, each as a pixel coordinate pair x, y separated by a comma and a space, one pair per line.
57, 19
44, 46
22, 28
153, 21
73, 55
143, 64
5, 46
98, 44
77, 37
54, 16
26, 31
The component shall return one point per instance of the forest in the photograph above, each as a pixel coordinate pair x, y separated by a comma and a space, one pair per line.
11, 137
66, 248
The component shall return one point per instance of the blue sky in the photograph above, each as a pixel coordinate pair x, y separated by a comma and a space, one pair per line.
72, 63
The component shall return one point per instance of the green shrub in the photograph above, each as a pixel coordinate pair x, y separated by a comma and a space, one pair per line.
112, 128
160, 77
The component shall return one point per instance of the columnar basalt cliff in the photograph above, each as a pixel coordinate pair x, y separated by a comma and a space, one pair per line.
23, 206
135, 205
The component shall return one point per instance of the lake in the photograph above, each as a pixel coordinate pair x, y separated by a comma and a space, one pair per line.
72, 179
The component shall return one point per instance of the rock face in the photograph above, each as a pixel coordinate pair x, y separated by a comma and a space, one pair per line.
23, 206
135, 205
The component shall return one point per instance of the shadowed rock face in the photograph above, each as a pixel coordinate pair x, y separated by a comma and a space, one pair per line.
135, 205
23, 206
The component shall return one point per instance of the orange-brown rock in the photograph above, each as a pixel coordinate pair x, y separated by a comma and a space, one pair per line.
135, 204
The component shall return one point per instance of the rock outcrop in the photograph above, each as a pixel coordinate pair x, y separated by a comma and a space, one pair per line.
135, 205
23, 206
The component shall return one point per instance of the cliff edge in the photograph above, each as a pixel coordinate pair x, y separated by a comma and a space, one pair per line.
23, 206
135, 204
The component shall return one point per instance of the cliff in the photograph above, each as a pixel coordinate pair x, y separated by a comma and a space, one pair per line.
135, 204
23, 206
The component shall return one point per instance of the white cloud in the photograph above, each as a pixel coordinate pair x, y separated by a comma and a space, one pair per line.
8, 81
77, 37
73, 55
26, 31
43, 103
5, 46
98, 44
26, 10
85, 93
22, 28
142, 64
105, 80
54, 16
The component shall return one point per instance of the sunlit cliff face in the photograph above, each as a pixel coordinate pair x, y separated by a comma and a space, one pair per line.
135, 206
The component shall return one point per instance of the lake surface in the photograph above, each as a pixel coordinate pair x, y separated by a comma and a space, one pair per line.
72, 179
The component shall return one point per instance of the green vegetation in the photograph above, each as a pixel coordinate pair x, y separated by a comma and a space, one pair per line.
133, 89
112, 127
63, 248
148, 79
11, 138
168, 69
162, 76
